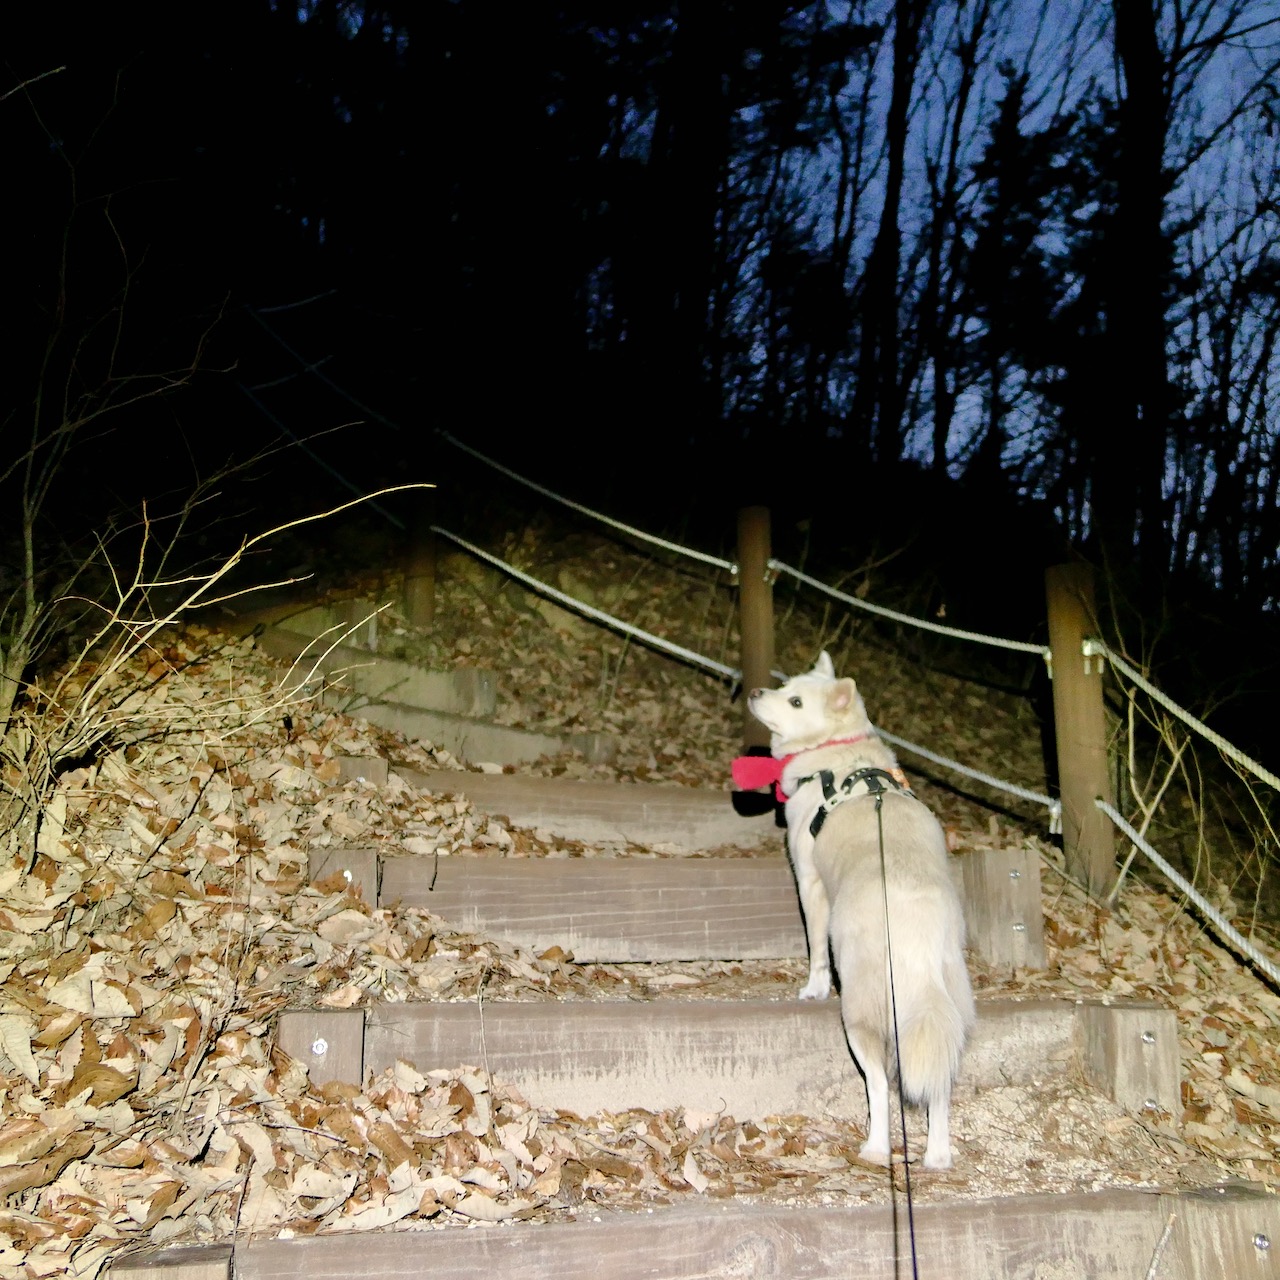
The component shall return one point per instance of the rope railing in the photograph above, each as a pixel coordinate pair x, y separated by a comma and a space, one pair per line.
924, 624
1092, 648
590, 611
777, 566
1009, 788
302, 444
1222, 926
732, 673
703, 556
314, 369
1099, 649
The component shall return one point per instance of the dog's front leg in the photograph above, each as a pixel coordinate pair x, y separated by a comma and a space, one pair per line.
816, 907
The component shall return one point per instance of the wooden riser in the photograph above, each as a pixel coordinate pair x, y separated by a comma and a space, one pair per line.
640, 909
750, 1058
613, 909
1117, 1235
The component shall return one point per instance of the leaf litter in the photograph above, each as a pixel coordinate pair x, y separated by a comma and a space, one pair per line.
165, 918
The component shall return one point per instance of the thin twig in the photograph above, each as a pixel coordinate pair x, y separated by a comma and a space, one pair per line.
1160, 1244
29, 81
484, 1040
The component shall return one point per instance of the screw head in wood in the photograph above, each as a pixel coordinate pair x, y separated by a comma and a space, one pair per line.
1261, 1242
1148, 1037
1019, 928
1015, 875
319, 1047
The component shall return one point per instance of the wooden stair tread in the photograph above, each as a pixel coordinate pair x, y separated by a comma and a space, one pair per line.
1106, 1235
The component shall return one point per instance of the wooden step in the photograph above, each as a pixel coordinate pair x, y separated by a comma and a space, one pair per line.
639, 909
463, 691
612, 909
605, 812
181, 1262
470, 739
1000, 886
1109, 1235
749, 1058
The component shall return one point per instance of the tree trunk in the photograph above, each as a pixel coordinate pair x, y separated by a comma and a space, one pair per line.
690, 147
1129, 480
878, 399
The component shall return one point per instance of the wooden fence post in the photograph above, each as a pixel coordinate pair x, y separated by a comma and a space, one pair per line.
1080, 728
420, 563
755, 615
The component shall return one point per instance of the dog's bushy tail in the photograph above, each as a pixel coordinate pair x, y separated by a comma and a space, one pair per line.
930, 1042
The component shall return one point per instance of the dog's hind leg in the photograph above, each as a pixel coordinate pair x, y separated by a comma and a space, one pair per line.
937, 1150
868, 1050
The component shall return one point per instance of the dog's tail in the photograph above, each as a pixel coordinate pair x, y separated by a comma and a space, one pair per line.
930, 1041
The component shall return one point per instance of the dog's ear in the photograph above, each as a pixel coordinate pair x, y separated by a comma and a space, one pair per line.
842, 694
824, 667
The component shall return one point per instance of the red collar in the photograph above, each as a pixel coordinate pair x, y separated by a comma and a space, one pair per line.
750, 772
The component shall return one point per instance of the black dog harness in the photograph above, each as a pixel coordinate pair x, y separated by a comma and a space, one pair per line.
871, 781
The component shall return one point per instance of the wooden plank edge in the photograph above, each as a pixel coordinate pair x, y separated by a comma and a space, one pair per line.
1094, 1235
175, 1262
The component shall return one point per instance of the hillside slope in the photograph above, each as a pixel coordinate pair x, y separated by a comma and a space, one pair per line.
165, 919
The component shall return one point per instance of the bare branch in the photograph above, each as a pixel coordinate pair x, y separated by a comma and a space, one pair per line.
26, 84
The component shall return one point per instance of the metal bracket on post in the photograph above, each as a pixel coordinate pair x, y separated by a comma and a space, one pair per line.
1093, 649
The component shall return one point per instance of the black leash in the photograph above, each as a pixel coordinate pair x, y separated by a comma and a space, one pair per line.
897, 1048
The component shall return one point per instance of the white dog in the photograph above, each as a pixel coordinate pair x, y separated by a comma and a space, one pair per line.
843, 792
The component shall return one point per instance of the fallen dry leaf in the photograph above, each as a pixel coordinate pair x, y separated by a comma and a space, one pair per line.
169, 916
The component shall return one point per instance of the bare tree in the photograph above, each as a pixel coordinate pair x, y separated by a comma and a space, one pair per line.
876, 412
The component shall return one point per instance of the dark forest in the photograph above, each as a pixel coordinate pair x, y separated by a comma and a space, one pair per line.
1000, 278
